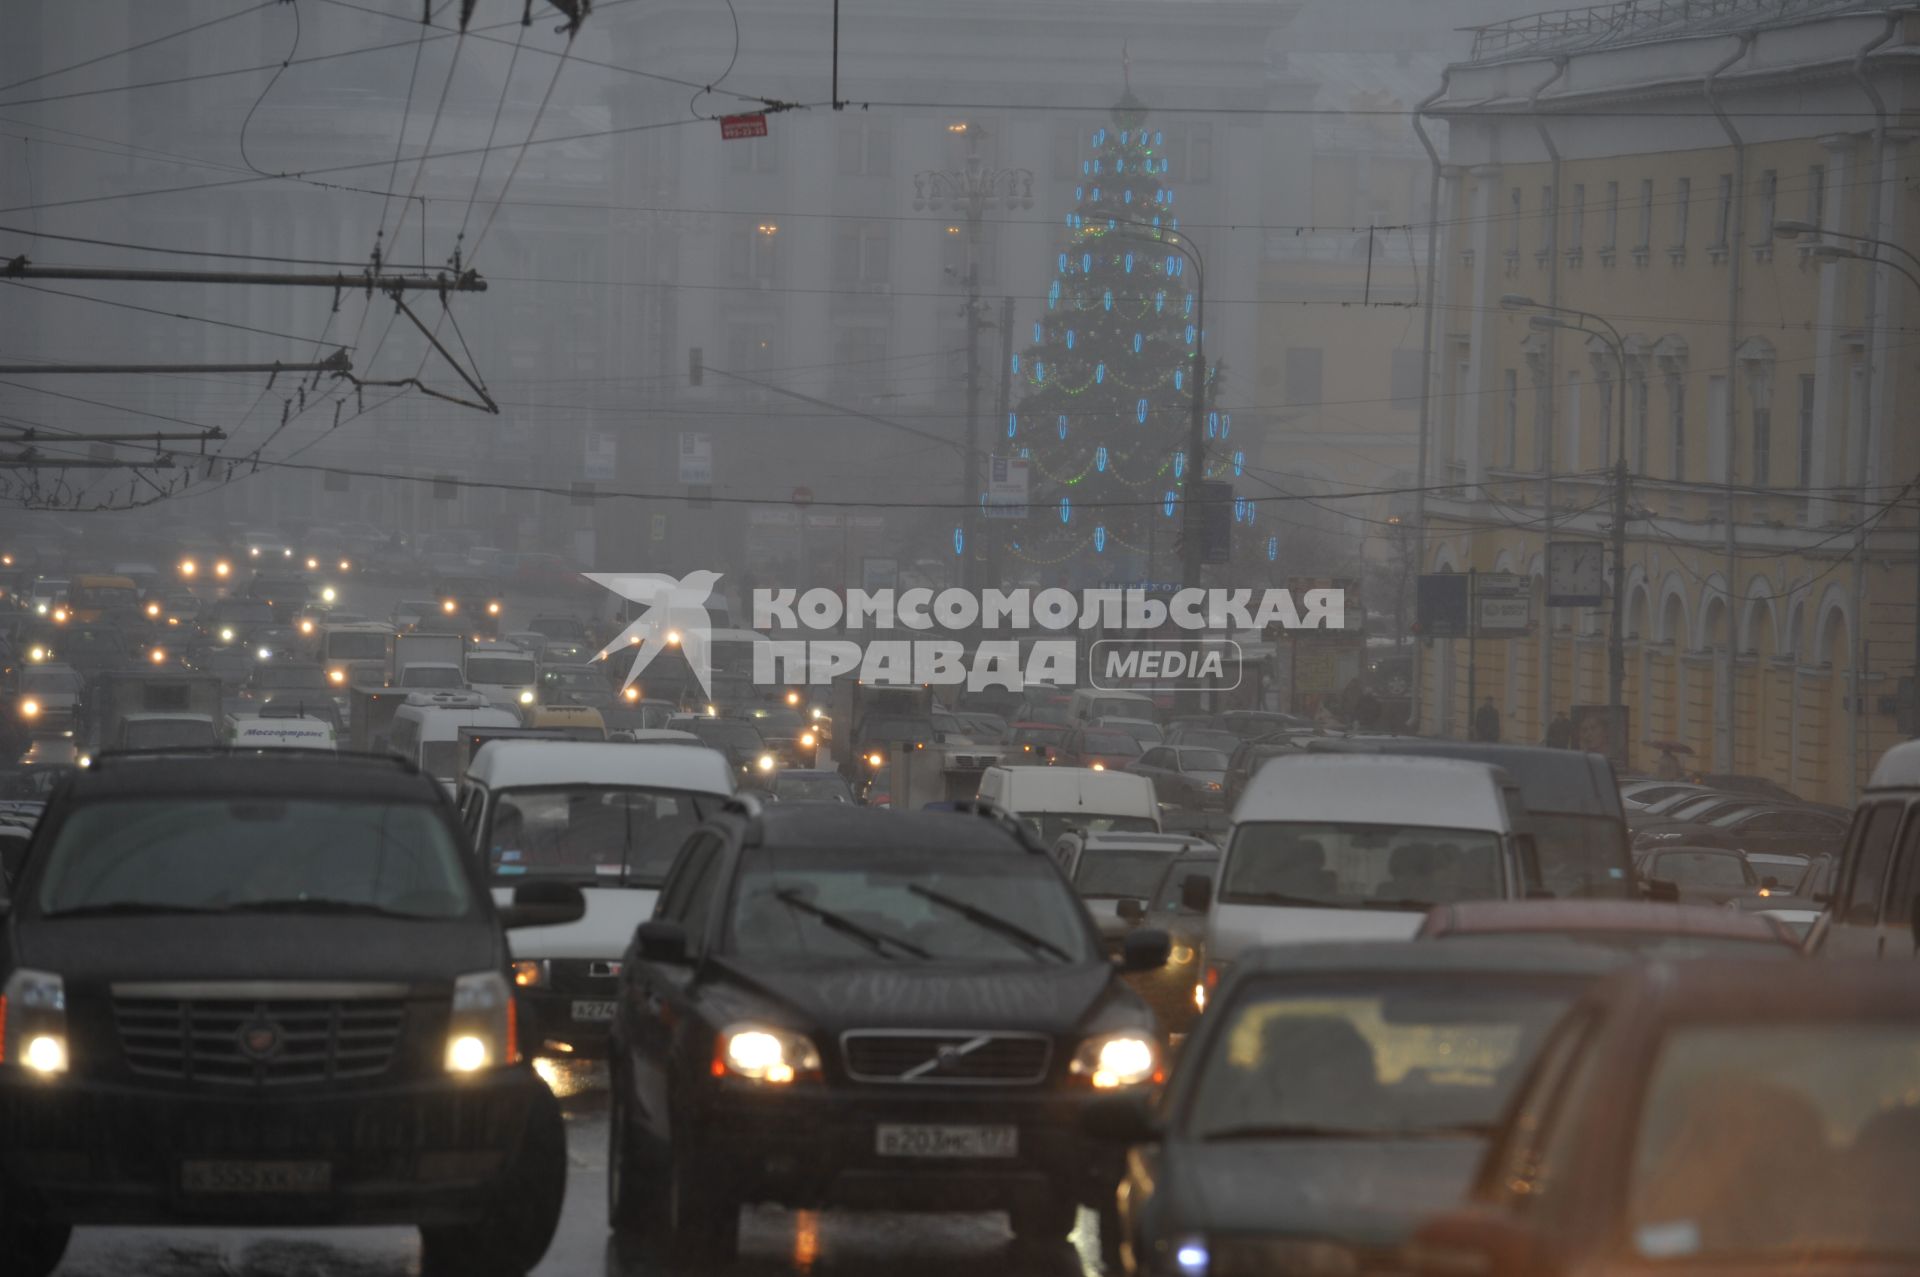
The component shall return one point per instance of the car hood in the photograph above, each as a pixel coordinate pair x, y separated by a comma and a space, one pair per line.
604, 931
1369, 1193
258, 946
837, 996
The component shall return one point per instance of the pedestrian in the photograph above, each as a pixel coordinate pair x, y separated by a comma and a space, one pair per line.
1560, 732
1486, 722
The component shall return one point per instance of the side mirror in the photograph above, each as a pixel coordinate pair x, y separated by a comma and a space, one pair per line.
1196, 893
1119, 1119
661, 941
1130, 910
1477, 1241
1661, 890
1145, 950
544, 904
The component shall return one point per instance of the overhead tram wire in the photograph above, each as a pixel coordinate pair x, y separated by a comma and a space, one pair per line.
135, 48
149, 310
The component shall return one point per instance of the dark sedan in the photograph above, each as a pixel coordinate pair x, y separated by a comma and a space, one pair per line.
835, 1006
1801, 831
1703, 875
1332, 1098
1185, 776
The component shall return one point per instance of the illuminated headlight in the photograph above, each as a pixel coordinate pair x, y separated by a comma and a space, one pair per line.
313, 565
808, 740
1214, 786
1180, 955
493, 609
765, 763
264, 653
793, 698
153, 609
815, 712
1191, 1258
60, 616
630, 693
306, 627
254, 550
328, 595
1117, 1059
30, 708
764, 1054
33, 1011
526, 698
337, 677
673, 638
346, 565
188, 567
1099, 767
38, 654
226, 635
286, 554
481, 1032
222, 568
40, 609
158, 656
449, 605
529, 975
876, 759
712, 712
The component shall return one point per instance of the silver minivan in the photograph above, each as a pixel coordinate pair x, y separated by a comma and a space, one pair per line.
1874, 911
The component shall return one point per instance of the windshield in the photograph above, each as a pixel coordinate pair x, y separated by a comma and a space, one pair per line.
56, 682
1143, 733
168, 733
883, 905
575, 680
500, 671
558, 627
718, 731
1778, 1139
815, 789
608, 834
104, 596
1409, 1056
1344, 866
239, 854
232, 613
776, 721
1106, 874
1224, 742
1703, 869
1203, 760
1051, 824
1582, 857
1039, 735
356, 647
431, 676
1111, 743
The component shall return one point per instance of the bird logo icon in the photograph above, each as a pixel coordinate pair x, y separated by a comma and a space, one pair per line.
675, 617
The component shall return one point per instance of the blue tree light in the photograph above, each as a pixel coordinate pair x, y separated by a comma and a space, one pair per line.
1100, 539
1013, 424
1239, 509
1096, 194
1140, 411
1108, 300
1129, 263
1099, 373
1179, 378
1239, 463
1062, 423
1136, 343
1213, 425
1179, 463
1016, 361
959, 541
1063, 268
1226, 424
1036, 328
1192, 332
1066, 509
1086, 261
1273, 548
1159, 301
1039, 370
1100, 459
1167, 505
1069, 339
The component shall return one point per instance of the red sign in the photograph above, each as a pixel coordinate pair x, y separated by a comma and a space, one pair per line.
735, 127
803, 496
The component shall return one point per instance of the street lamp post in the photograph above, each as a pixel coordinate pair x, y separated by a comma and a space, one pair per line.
1616, 637
968, 190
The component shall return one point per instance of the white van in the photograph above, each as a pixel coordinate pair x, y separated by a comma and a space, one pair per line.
608, 817
1871, 898
507, 676
1091, 704
426, 729
1056, 799
251, 732
1360, 847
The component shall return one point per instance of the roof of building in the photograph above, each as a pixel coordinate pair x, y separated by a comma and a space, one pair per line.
1627, 22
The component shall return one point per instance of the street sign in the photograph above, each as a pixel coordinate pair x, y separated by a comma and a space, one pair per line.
1489, 585
659, 527
1216, 520
601, 464
1502, 615
735, 127
1440, 604
696, 459
1576, 573
1007, 480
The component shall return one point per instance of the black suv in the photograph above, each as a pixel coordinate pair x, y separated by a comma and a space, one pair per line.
839, 1006
268, 989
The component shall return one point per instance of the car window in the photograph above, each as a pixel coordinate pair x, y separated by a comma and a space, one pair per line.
1203, 760
1354, 866
1107, 873
1107, 741
235, 854
598, 834
1867, 869
1836, 1121
1705, 869
1168, 896
1155, 758
1903, 890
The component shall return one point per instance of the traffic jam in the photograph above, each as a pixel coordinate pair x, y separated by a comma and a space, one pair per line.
422, 920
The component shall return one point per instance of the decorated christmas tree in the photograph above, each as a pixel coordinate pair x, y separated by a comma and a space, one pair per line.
1103, 396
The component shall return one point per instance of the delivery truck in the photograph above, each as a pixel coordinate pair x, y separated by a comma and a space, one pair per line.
138, 709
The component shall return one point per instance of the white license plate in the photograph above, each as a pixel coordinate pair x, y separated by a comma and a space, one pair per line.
256, 1177
593, 1011
947, 1141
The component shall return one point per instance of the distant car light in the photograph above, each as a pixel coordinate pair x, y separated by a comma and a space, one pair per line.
1099, 767
306, 626
226, 635
793, 698
264, 653
158, 656
254, 551
337, 676
153, 609
222, 568
630, 693
38, 654
286, 554
673, 638
876, 759
30, 708
712, 712
493, 609
526, 698
188, 567
449, 606
60, 616
529, 974
808, 740
313, 564
765, 763
346, 565
329, 594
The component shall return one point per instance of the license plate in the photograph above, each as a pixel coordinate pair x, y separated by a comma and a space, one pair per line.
256, 1177
947, 1141
593, 1010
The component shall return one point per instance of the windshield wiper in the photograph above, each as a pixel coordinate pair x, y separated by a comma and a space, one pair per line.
1278, 898
980, 917
129, 908
316, 904
1398, 906
874, 940
1281, 1131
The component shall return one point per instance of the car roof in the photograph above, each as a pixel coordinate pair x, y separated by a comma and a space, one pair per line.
284, 774
1554, 780
1723, 989
839, 825
1898, 768
503, 763
1338, 787
1570, 917
1491, 957
1114, 840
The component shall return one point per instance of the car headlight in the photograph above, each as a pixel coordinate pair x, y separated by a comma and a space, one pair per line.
630, 693
482, 1030
306, 626
313, 564
226, 636
158, 656
493, 609
188, 567
346, 565
1099, 767
264, 653
336, 677
40, 609
765, 762
529, 974
448, 605
222, 568
286, 554
1180, 955
60, 616
254, 551
808, 740
153, 609
764, 1053
526, 698
30, 708
1191, 1257
38, 654
876, 759
328, 595
33, 1011
1117, 1059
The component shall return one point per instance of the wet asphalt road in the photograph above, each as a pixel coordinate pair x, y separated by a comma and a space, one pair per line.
771, 1241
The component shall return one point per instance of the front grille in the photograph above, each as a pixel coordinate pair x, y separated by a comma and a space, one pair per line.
935, 1057
596, 978
258, 1043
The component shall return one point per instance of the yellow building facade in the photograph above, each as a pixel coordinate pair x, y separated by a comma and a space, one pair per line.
1619, 277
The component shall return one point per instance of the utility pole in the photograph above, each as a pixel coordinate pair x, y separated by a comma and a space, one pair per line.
994, 565
970, 489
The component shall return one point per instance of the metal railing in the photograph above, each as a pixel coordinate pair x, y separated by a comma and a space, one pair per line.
1627, 21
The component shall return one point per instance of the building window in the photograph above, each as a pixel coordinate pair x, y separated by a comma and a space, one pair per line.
1577, 219
1769, 203
866, 148
1605, 386
1303, 376
1611, 238
1816, 192
1405, 375
1189, 155
1682, 203
862, 252
1807, 384
860, 351
1511, 383
1572, 458
1762, 443
1542, 416
1513, 221
1677, 424
751, 156
1646, 214
1546, 219
953, 251
1723, 214
1640, 421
